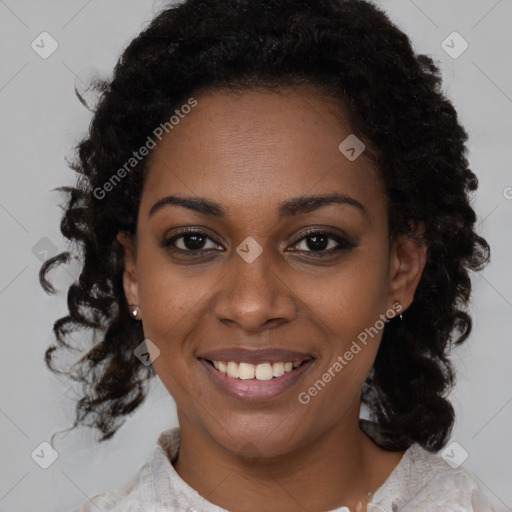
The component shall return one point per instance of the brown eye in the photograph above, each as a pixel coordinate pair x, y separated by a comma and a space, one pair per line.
324, 242
190, 240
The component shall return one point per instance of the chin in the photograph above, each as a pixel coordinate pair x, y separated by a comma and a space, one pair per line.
261, 435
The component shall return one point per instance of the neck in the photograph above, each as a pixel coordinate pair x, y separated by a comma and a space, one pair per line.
336, 469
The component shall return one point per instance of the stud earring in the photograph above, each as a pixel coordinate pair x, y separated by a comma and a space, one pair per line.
134, 312
396, 303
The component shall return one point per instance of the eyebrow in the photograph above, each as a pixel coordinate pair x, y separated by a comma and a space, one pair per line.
294, 206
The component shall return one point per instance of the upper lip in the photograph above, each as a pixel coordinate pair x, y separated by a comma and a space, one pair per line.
255, 356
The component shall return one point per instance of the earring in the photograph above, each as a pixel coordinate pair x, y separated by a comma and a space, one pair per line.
401, 315
134, 312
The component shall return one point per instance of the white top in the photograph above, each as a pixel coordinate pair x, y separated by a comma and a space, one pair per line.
421, 482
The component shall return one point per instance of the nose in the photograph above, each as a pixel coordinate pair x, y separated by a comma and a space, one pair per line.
253, 296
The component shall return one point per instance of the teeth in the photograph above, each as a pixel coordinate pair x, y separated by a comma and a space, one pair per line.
277, 369
245, 371
232, 370
262, 371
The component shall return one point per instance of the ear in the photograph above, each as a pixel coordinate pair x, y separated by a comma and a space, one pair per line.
130, 286
407, 261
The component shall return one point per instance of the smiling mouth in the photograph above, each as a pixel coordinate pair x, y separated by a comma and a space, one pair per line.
248, 371
256, 382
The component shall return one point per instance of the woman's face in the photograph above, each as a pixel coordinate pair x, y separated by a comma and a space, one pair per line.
254, 284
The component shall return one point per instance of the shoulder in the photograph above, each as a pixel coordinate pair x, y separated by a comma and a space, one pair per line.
423, 482
156, 487
144, 492
128, 498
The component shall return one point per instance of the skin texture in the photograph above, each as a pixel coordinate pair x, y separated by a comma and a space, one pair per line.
250, 151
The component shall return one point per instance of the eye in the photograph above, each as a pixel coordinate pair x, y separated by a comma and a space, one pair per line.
323, 243
190, 240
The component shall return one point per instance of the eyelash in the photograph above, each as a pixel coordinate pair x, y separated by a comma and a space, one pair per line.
344, 244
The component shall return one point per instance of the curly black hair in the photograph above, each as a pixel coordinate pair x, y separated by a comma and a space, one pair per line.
349, 50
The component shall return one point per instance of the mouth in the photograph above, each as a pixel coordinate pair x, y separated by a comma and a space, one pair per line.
256, 375
249, 371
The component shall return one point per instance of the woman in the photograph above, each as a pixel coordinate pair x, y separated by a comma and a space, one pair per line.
273, 216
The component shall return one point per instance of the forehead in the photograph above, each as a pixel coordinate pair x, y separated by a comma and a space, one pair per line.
260, 146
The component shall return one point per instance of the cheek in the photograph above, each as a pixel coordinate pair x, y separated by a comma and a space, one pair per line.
167, 296
348, 298
172, 306
346, 307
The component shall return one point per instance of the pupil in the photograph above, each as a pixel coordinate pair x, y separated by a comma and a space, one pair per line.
315, 245
197, 241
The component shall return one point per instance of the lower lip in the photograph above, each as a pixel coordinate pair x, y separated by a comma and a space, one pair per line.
253, 389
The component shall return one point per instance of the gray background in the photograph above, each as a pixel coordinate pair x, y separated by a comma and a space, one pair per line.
41, 120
